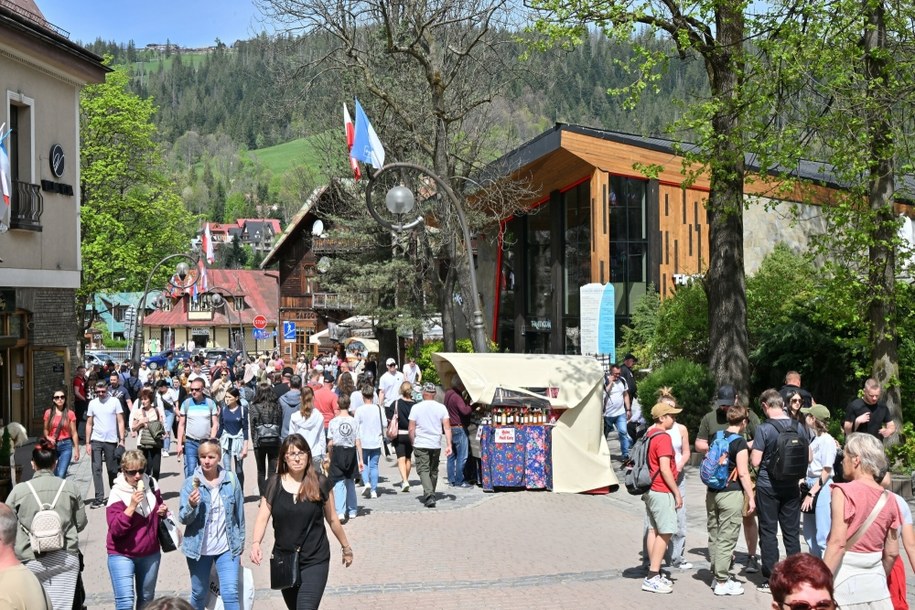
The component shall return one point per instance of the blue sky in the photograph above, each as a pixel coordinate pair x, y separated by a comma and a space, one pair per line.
189, 23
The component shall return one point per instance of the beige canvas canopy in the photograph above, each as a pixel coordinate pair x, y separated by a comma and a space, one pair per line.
581, 457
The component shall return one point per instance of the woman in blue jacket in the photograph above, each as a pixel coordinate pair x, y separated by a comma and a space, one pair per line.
212, 508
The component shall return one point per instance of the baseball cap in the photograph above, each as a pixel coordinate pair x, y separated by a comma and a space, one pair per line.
390, 361
663, 408
429, 387
328, 377
630, 356
727, 395
821, 412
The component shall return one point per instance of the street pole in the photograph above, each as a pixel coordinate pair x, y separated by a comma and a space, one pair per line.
182, 270
399, 200
225, 303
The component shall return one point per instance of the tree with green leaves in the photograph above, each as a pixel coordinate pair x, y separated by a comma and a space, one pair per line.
716, 32
131, 214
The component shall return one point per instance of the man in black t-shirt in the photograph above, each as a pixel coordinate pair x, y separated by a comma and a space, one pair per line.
869, 414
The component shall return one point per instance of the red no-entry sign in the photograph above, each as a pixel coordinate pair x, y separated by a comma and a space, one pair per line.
260, 322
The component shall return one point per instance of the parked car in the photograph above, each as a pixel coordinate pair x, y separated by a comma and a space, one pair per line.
159, 359
99, 358
215, 354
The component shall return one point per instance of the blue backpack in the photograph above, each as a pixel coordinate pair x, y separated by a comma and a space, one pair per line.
714, 468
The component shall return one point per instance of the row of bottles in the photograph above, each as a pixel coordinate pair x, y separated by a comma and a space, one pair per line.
521, 416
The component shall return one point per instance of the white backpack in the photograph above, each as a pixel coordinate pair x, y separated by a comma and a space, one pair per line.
46, 533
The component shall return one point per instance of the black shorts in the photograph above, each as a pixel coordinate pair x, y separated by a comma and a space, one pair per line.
402, 445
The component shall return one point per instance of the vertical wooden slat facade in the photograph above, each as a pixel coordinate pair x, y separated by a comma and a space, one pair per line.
600, 227
683, 230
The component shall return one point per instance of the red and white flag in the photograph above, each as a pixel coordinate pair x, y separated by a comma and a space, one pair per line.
350, 138
208, 244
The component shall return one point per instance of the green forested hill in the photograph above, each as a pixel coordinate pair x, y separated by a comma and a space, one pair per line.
218, 108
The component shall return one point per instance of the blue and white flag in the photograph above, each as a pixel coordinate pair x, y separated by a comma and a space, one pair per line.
366, 145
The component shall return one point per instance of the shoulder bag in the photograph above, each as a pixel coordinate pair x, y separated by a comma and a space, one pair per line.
284, 565
168, 534
392, 430
881, 502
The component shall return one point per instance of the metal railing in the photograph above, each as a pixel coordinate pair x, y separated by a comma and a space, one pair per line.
26, 206
34, 18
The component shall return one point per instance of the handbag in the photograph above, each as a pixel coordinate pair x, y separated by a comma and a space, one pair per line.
284, 565
392, 430
168, 534
804, 491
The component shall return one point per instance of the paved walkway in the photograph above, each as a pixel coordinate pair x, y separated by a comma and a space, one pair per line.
502, 550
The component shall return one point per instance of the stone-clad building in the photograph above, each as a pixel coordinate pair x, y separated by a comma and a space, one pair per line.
41, 74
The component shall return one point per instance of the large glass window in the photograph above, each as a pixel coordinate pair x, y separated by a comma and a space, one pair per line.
628, 244
576, 268
539, 264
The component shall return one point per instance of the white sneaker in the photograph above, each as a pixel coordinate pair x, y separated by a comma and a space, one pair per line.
164, 453
731, 587
656, 585
341, 517
685, 565
405, 487
374, 495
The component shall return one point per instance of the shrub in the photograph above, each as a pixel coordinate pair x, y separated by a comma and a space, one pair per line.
902, 455
692, 385
424, 360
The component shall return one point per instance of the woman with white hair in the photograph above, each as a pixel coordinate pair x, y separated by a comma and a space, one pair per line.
863, 541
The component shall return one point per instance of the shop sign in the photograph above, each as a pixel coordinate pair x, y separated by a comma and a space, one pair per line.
542, 325
505, 435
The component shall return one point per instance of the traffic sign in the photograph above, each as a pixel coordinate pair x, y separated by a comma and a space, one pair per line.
260, 322
289, 331
261, 334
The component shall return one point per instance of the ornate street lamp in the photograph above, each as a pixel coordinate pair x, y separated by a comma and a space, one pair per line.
400, 201
182, 274
218, 300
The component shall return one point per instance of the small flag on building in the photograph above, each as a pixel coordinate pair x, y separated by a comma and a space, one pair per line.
208, 244
6, 183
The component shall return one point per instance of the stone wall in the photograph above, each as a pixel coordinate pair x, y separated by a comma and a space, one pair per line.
53, 324
767, 223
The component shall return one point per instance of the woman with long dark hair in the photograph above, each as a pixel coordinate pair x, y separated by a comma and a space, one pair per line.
233, 433
266, 423
300, 500
60, 428
57, 570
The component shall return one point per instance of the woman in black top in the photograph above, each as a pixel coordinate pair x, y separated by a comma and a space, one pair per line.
402, 444
298, 498
266, 423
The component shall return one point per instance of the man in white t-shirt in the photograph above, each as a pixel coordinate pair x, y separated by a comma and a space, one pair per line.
617, 408
428, 419
105, 431
412, 372
389, 383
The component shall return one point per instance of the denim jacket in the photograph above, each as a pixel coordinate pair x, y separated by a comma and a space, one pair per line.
195, 517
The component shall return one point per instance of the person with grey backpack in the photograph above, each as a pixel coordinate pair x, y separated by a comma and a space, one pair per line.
51, 514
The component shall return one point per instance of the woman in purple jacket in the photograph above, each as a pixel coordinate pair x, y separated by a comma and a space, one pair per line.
134, 508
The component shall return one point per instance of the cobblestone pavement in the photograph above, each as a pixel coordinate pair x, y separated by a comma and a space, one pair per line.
502, 550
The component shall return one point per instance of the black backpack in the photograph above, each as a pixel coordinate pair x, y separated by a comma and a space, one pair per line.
790, 459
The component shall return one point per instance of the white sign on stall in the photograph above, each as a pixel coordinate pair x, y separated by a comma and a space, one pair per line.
505, 435
590, 295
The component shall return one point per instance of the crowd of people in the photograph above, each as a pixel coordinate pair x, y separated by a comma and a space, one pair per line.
315, 429
784, 474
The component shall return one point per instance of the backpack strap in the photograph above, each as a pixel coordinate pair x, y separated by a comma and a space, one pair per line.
56, 497
35, 495
881, 502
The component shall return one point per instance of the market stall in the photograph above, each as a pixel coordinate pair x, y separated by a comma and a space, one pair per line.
543, 426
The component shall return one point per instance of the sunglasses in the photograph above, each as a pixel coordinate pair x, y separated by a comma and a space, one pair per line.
133, 473
59, 397
825, 604
196, 389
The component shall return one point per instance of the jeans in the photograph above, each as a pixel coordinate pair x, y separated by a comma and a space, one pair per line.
265, 460
169, 424
778, 507
307, 596
190, 456
227, 571
64, 455
618, 422
817, 523
370, 458
426, 461
102, 450
458, 457
129, 574
345, 497
153, 461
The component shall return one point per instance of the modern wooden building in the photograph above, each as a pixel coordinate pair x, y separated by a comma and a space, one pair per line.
598, 219
41, 74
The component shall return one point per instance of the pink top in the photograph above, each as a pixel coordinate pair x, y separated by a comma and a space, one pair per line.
859, 502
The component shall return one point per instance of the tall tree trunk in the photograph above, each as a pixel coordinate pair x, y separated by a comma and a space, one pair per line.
725, 282
881, 308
